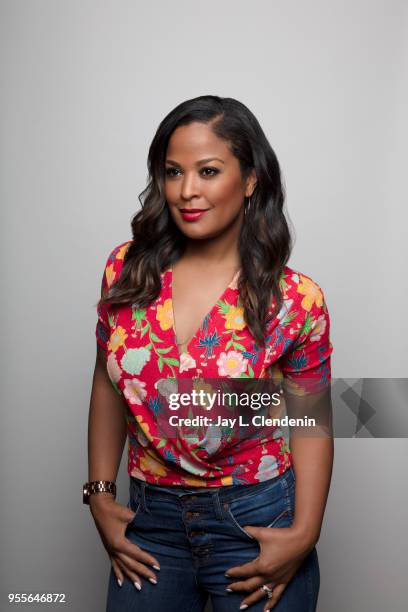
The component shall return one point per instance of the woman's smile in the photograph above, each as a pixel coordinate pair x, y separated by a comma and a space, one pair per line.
192, 214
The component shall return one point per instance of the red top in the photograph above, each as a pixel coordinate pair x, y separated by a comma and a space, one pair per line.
143, 361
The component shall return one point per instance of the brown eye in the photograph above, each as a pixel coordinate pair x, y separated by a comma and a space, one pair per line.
170, 172
208, 172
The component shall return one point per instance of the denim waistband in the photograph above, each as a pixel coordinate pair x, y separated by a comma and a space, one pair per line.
225, 493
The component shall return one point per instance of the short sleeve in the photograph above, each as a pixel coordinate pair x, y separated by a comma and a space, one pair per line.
111, 273
306, 366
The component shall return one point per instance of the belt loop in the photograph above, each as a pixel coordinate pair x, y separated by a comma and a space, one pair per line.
143, 497
217, 506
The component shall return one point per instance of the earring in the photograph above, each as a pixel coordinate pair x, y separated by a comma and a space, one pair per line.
248, 206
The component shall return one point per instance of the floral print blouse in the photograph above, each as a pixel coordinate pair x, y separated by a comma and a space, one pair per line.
142, 358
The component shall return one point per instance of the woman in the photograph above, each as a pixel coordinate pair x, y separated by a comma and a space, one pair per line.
202, 291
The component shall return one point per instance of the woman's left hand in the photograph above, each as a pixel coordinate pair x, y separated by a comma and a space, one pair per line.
282, 551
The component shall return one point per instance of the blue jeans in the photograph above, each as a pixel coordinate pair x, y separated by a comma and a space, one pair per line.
197, 535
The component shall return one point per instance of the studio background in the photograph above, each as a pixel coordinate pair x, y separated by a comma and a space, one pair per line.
84, 85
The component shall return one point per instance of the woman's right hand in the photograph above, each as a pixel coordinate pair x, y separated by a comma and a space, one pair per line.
112, 519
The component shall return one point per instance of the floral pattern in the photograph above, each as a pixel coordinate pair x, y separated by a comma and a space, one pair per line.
144, 365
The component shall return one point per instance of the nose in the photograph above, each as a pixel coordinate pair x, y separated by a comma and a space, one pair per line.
190, 186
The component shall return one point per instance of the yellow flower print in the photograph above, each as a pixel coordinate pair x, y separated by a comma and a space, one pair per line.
311, 292
144, 426
194, 482
150, 464
226, 480
110, 274
121, 253
234, 319
117, 339
165, 314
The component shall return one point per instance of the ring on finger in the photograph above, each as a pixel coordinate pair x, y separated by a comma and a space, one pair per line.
267, 590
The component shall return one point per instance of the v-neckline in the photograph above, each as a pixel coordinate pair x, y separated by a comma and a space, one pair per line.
207, 316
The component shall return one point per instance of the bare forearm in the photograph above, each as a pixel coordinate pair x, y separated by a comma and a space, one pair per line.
312, 463
106, 427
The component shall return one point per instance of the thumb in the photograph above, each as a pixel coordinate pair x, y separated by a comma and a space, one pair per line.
255, 532
128, 514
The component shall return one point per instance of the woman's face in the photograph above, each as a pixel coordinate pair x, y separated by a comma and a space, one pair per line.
202, 173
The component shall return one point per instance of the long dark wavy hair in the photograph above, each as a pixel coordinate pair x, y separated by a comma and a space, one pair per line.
265, 241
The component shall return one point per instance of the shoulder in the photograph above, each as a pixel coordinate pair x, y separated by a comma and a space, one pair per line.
304, 305
306, 292
114, 262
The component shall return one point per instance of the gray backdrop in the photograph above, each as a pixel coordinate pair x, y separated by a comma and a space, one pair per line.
84, 85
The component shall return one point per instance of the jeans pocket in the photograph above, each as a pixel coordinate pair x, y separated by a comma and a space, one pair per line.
259, 511
134, 504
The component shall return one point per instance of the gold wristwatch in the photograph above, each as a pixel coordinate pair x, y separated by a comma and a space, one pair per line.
97, 486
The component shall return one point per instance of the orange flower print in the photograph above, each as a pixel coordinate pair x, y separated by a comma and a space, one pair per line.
226, 480
319, 328
144, 436
234, 319
165, 314
311, 292
231, 364
134, 391
117, 339
110, 274
122, 251
141, 438
195, 482
150, 464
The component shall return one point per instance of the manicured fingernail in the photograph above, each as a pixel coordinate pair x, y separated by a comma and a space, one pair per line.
227, 575
156, 567
138, 586
153, 580
229, 590
119, 582
243, 607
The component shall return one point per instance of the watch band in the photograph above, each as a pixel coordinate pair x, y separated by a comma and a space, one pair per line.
97, 486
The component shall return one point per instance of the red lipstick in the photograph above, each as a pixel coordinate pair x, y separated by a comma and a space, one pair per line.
192, 214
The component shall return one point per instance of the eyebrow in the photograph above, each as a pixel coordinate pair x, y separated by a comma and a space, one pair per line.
201, 161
